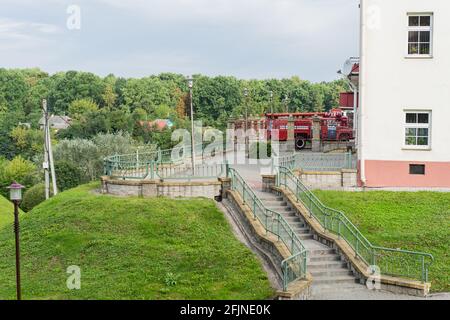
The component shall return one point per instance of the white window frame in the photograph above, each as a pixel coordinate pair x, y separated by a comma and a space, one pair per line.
419, 28
417, 126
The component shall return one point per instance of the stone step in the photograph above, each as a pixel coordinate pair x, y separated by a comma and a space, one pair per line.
301, 230
330, 257
326, 264
328, 272
276, 202
332, 280
305, 236
292, 219
321, 252
337, 288
279, 209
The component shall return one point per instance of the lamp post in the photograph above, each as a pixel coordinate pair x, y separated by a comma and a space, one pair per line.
15, 190
286, 103
271, 101
190, 82
246, 123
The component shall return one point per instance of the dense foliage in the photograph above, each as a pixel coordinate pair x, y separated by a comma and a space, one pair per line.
114, 115
33, 196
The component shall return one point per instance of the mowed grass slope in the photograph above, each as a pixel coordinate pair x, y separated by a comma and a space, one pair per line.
6, 213
418, 221
130, 248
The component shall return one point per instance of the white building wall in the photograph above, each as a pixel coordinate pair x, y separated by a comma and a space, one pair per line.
391, 82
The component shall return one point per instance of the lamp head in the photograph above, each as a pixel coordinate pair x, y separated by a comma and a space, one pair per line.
15, 191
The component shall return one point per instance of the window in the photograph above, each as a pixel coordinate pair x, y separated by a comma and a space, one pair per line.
418, 169
417, 129
420, 35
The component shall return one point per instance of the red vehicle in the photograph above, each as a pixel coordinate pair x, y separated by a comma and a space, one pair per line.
334, 126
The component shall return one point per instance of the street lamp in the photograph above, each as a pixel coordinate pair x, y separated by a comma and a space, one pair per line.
271, 101
246, 122
286, 102
190, 82
15, 192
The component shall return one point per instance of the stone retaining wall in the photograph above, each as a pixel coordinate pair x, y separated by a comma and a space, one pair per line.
345, 178
155, 188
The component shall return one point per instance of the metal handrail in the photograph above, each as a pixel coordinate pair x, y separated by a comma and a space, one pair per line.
394, 262
294, 267
148, 164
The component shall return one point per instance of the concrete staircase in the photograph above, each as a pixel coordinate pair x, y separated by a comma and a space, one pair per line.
331, 276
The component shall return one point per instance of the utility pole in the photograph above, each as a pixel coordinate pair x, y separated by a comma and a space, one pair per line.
247, 151
191, 85
271, 102
49, 165
45, 165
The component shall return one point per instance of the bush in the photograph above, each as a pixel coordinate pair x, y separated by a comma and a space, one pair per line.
18, 169
68, 176
260, 150
32, 197
88, 155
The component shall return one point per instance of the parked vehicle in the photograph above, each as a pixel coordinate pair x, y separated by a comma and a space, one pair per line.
334, 126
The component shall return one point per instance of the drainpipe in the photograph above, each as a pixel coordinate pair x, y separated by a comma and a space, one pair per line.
362, 84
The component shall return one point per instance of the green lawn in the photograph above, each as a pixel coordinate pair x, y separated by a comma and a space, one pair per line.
6, 213
130, 248
418, 221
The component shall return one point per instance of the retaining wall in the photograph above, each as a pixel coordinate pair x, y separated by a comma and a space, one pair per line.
155, 188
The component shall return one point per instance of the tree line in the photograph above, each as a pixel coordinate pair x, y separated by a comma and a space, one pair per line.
113, 107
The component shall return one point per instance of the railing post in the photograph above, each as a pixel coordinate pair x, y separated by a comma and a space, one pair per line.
339, 229
357, 246
278, 227
349, 159
423, 270
292, 242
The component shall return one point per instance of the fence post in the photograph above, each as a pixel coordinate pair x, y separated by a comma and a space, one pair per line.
292, 243
423, 270
339, 229
349, 160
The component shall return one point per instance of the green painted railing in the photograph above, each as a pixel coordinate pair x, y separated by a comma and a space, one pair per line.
310, 161
395, 262
294, 267
160, 164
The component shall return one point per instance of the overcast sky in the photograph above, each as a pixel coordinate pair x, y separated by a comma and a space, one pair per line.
135, 38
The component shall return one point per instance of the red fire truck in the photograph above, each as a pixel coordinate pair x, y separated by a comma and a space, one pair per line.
334, 126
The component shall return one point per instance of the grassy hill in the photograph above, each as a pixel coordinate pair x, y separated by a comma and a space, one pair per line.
418, 221
6, 213
130, 248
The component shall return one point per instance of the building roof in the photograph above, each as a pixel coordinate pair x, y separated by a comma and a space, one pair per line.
158, 124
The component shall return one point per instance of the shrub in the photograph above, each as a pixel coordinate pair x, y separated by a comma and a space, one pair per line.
260, 150
32, 197
20, 170
68, 175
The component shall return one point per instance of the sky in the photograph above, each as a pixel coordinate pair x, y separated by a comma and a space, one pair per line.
249, 39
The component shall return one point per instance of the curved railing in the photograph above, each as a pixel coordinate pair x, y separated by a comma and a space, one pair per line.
395, 262
294, 267
159, 164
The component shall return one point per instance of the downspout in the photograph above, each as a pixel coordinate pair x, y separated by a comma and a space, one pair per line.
362, 75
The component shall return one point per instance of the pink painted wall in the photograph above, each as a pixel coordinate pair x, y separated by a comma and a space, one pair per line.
381, 173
